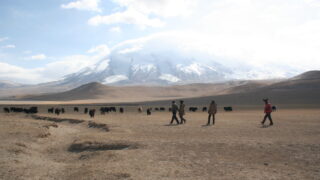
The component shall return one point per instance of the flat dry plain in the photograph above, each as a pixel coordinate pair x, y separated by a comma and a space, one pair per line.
139, 147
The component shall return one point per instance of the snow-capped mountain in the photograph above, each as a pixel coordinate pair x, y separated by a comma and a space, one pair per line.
113, 71
159, 60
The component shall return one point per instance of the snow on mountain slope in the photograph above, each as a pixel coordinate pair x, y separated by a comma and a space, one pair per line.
158, 60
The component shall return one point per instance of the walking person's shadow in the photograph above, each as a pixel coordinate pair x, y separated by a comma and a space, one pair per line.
265, 126
171, 125
206, 125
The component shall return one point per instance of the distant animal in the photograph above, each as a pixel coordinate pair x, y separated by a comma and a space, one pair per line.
204, 109
50, 110
76, 109
274, 108
7, 110
156, 109
85, 110
148, 111
62, 111
170, 109
140, 109
92, 112
121, 110
31, 110
16, 109
228, 108
193, 109
57, 111
103, 110
162, 109
113, 109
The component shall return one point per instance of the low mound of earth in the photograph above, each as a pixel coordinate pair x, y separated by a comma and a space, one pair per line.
301, 91
134, 93
308, 75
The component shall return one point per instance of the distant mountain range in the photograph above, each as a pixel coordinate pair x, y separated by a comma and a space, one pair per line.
302, 89
157, 60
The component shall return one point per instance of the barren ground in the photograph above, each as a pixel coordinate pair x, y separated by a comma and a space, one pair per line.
138, 146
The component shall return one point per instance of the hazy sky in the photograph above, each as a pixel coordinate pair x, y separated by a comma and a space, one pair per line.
42, 40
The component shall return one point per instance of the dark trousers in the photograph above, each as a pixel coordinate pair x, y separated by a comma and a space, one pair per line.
182, 120
213, 118
174, 117
268, 115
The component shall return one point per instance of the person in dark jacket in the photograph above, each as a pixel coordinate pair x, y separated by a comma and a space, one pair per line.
182, 113
174, 110
267, 112
212, 112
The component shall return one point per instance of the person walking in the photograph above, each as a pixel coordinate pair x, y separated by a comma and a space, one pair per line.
174, 109
182, 113
267, 112
212, 112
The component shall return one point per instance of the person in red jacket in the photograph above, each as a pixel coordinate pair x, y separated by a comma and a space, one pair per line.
267, 112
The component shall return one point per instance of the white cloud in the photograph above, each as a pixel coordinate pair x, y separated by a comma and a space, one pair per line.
38, 57
18, 74
163, 8
89, 5
100, 50
135, 48
127, 17
115, 29
54, 70
3, 39
146, 13
9, 46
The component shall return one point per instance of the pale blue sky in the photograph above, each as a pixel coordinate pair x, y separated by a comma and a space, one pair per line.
43, 40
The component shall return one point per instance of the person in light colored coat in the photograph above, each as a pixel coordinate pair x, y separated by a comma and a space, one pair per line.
212, 112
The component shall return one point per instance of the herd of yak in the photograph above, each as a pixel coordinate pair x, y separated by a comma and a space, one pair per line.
91, 112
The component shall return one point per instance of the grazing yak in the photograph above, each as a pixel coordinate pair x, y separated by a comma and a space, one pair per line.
121, 110
204, 109
7, 110
148, 111
76, 109
50, 110
274, 108
104, 110
228, 108
162, 109
31, 110
92, 112
15, 109
193, 109
85, 110
140, 109
57, 111
113, 109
